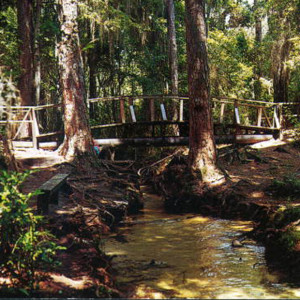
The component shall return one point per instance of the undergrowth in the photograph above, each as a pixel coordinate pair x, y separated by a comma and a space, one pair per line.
288, 186
25, 246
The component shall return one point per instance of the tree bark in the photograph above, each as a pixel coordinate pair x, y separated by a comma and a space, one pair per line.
78, 139
92, 61
173, 63
37, 55
25, 30
258, 39
280, 70
202, 154
172, 47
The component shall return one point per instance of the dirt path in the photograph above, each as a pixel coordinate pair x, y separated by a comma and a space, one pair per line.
96, 201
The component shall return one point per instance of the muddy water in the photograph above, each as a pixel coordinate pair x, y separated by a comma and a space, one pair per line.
162, 256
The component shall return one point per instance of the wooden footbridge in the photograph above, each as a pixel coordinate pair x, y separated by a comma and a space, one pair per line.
148, 120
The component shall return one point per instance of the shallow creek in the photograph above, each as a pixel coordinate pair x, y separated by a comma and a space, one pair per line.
188, 256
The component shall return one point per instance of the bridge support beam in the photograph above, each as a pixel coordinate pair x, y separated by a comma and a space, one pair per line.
158, 141
182, 141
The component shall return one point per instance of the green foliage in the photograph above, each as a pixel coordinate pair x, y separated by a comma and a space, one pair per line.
8, 39
24, 245
125, 44
289, 239
289, 186
231, 72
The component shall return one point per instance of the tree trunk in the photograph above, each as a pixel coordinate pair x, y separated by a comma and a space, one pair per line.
172, 47
173, 63
25, 30
280, 70
78, 139
202, 154
37, 56
258, 39
92, 61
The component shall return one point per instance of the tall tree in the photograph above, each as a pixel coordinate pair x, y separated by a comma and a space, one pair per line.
280, 70
78, 139
36, 52
173, 62
258, 40
172, 46
25, 30
202, 154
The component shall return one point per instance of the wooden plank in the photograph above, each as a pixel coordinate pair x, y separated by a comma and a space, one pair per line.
159, 141
55, 182
49, 134
181, 110
222, 109
33, 133
267, 118
27, 144
259, 115
244, 100
14, 121
149, 123
253, 127
145, 97
163, 112
236, 113
251, 139
275, 118
50, 191
122, 111
39, 107
180, 141
35, 130
152, 110
132, 113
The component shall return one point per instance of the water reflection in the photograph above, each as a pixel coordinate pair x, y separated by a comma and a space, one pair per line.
191, 257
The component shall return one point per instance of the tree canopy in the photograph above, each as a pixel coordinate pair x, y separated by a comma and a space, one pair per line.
125, 47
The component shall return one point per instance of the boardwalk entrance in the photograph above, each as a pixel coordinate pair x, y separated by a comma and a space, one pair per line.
148, 120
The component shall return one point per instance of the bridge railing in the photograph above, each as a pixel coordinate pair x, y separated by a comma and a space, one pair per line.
29, 124
248, 113
173, 109
136, 109
113, 112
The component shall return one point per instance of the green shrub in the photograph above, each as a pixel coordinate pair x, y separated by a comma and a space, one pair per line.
289, 239
289, 186
24, 245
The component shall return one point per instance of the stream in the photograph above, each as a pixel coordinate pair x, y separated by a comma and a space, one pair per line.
161, 255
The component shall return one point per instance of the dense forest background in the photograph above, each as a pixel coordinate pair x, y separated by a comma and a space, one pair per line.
127, 48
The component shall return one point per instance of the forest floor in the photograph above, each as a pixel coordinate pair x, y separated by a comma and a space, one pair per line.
84, 216
254, 171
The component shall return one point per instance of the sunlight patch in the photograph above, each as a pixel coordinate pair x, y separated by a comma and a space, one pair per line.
76, 284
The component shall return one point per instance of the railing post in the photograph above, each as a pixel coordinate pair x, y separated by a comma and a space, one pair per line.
34, 129
275, 118
259, 116
236, 112
131, 108
122, 110
222, 112
152, 110
280, 112
181, 110
163, 112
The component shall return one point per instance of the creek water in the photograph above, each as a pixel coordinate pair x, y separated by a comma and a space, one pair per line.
162, 255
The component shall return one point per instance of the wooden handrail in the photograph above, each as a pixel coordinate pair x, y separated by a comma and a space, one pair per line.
38, 107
